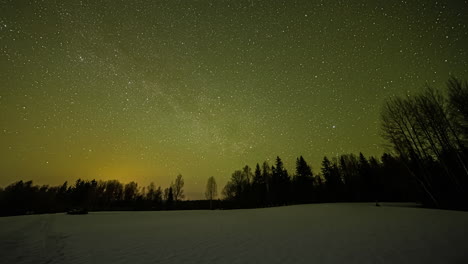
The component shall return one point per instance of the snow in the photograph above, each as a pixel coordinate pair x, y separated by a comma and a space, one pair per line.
317, 233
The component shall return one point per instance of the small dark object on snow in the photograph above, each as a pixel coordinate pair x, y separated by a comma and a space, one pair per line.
80, 211
377, 203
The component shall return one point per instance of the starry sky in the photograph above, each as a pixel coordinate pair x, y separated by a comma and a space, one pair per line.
143, 90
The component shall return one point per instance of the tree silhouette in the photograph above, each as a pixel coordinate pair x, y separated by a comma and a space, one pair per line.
259, 186
178, 188
303, 181
366, 184
280, 183
238, 188
229, 191
211, 190
130, 191
154, 196
170, 199
457, 98
426, 131
266, 175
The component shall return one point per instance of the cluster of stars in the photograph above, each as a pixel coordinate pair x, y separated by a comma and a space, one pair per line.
96, 89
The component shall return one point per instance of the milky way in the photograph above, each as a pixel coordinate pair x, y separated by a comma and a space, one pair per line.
144, 90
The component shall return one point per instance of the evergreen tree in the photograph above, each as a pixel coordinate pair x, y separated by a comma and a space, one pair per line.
303, 182
333, 181
281, 182
366, 181
266, 174
259, 187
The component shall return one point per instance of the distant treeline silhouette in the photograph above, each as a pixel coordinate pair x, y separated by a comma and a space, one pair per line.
348, 178
428, 135
24, 197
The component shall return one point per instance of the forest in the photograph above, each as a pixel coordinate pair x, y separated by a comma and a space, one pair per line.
426, 162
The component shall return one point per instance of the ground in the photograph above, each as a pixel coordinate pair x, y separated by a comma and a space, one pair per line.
317, 233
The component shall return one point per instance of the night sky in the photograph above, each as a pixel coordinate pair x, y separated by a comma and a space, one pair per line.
144, 90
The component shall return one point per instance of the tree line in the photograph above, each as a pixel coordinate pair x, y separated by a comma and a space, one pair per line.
25, 198
427, 163
345, 178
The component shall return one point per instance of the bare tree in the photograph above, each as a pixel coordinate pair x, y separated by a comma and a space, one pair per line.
211, 190
166, 194
236, 187
425, 131
400, 129
151, 191
130, 191
458, 96
178, 188
230, 191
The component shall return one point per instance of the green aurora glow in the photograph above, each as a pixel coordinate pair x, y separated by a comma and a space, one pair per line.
146, 90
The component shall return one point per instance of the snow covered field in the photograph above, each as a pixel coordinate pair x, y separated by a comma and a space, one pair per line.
320, 233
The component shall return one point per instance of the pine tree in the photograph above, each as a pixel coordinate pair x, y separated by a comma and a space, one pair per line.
333, 181
259, 186
281, 182
303, 181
